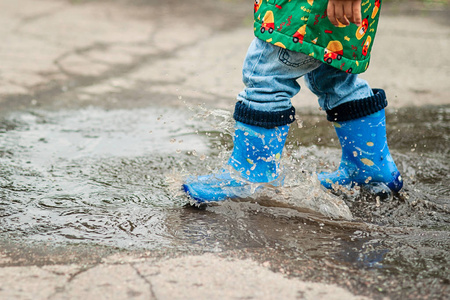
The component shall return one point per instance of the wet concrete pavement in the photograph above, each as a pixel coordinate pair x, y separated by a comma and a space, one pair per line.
74, 54
77, 53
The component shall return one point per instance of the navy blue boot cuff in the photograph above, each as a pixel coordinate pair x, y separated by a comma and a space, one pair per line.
358, 108
266, 119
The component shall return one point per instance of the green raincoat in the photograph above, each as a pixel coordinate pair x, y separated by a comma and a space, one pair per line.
303, 26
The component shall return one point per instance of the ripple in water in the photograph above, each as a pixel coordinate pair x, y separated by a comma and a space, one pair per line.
113, 178
92, 175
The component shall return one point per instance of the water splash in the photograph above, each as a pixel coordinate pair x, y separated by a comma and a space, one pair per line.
99, 177
301, 188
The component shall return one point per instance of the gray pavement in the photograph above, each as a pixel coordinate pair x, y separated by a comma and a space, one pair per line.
77, 53
191, 277
88, 52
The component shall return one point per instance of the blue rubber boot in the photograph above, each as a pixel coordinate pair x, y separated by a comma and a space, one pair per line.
255, 161
366, 160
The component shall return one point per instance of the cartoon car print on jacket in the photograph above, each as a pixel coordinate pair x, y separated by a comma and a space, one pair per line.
257, 5
361, 31
280, 44
376, 8
334, 50
280, 23
299, 35
366, 45
268, 22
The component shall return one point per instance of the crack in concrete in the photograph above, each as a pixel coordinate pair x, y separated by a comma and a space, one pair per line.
62, 289
81, 52
152, 292
76, 81
64, 80
57, 289
27, 20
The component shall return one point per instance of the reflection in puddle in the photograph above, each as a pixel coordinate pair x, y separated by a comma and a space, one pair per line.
101, 177
91, 175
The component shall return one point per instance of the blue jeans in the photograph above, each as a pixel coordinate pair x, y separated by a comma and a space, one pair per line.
270, 75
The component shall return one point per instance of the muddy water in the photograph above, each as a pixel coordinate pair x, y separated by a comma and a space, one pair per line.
110, 178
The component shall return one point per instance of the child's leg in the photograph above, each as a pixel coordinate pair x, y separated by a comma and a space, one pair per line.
263, 114
334, 87
270, 76
358, 115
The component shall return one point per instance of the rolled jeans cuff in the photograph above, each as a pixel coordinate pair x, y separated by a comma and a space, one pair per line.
358, 108
266, 119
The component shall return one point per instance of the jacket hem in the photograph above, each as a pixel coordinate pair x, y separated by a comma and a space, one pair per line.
317, 51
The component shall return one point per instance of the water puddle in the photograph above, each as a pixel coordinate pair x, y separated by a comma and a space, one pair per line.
91, 175
111, 178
